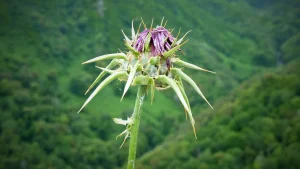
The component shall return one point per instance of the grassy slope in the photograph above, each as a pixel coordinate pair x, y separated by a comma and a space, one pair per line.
45, 43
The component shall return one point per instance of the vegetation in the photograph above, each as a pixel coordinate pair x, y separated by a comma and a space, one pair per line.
257, 126
255, 123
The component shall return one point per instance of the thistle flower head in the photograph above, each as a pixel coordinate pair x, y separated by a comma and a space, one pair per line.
160, 41
150, 61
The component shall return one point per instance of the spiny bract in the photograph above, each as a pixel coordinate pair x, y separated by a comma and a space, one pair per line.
149, 61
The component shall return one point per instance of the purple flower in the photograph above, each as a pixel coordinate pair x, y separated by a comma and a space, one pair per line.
160, 41
140, 42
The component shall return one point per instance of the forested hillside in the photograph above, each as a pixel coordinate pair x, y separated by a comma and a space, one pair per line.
256, 126
42, 85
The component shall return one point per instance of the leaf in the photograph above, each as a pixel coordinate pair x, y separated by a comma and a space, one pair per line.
111, 65
185, 77
135, 52
126, 38
188, 65
145, 27
130, 78
133, 35
171, 82
162, 21
151, 24
165, 23
106, 70
108, 56
180, 85
180, 40
173, 44
138, 31
173, 50
103, 84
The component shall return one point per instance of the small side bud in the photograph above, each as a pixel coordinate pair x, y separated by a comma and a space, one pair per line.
141, 80
154, 60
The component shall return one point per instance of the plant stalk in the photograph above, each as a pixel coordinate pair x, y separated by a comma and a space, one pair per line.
136, 123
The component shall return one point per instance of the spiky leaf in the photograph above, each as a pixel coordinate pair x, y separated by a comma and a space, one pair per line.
185, 77
180, 40
180, 85
173, 50
103, 84
130, 78
171, 82
133, 35
173, 44
188, 65
108, 56
106, 70
111, 65
126, 38
135, 52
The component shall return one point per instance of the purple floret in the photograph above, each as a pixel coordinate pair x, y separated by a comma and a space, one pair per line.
160, 42
140, 42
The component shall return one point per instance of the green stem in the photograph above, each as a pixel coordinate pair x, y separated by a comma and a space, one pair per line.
136, 123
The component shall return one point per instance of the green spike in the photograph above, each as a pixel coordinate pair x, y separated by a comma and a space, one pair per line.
126, 38
173, 44
108, 56
166, 23
135, 52
138, 31
111, 65
151, 24
180, 85
171, 82
103, 84
130, 78
188, 65
190, 81
180, 40
106, 70
162, 21
173, 50
145, 27
132, 31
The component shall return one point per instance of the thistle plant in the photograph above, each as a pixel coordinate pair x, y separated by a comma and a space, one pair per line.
149, 64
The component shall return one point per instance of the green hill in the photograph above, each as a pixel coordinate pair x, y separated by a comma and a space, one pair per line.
256, 126
42, 80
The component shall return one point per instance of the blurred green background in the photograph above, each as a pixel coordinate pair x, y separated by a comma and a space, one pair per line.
253, 45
